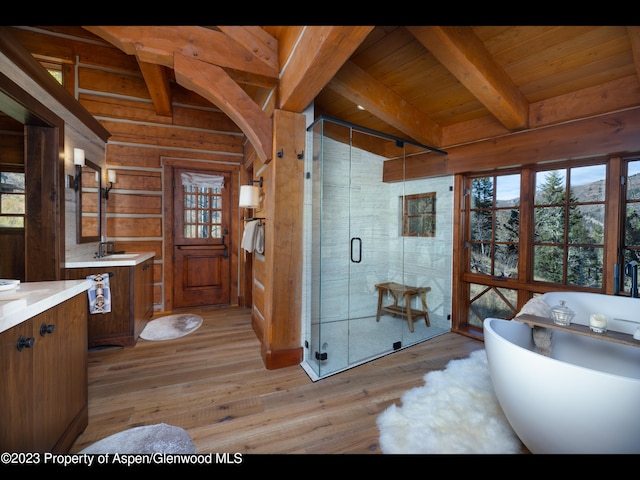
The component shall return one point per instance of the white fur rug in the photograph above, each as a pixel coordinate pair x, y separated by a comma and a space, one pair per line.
171, 326
159, 438
456, 411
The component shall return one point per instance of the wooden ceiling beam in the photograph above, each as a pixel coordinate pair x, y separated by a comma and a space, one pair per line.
248, 53
634, 38
319, 54
157, 81
356, 85
153, 44
465, 56
255, 40
213, 83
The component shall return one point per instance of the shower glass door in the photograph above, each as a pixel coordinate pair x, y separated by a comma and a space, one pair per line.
353, 241
376, 249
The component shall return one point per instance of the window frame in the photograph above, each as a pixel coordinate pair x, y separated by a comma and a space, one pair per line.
524, 286
623, 282
427, 219
14, 169
567, 206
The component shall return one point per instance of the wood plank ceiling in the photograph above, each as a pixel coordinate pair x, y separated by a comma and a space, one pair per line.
436, 85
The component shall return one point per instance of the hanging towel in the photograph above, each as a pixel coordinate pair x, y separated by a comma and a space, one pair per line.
259, 243
99, 293
249, 236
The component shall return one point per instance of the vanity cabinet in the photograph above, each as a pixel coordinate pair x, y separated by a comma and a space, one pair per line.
131, 303
44, 390
143, 295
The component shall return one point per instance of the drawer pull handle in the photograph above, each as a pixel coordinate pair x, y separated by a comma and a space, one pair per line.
25, 342
44, 329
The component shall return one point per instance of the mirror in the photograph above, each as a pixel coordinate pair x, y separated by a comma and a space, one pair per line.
89, 201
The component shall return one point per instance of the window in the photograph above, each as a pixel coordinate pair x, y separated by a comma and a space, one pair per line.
495, 222
55, 69
419, 215
631, 237
202, 212
494, 219
12, 199
537, 229
569, 226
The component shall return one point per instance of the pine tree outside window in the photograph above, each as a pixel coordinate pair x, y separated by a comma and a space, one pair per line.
494, 219
561, 228
569, 216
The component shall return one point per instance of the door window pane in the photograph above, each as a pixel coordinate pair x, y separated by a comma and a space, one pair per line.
202, 212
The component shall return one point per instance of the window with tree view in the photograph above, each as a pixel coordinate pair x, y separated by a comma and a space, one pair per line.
12, 199
202, 212
569, 226
419, 215
495, 221
631, 245
560, 229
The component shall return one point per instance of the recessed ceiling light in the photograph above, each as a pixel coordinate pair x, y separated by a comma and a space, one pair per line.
360, 107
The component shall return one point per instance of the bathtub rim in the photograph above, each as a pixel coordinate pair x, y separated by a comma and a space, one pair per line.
487, 325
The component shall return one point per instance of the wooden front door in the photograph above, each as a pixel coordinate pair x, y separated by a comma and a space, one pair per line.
202, 212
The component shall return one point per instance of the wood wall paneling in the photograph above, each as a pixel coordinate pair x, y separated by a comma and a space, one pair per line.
142, 142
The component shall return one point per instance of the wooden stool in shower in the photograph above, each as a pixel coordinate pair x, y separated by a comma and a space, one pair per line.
398, 290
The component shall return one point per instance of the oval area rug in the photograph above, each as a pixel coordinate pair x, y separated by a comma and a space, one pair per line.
159, 438
171, 326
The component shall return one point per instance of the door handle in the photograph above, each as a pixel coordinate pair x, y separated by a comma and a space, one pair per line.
359, 240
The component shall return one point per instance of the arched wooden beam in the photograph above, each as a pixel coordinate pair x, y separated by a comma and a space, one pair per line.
212, 83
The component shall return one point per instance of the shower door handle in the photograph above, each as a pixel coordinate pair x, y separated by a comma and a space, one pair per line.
359, 240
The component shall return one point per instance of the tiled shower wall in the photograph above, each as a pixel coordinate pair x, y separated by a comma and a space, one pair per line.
353, 188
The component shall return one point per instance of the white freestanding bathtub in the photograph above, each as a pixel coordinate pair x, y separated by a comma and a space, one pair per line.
585, 397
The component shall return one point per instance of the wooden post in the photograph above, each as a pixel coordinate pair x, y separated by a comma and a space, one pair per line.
282, 283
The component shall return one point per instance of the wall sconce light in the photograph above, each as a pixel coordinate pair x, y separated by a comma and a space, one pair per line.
78, 161
78, 157
250, 195
111, 177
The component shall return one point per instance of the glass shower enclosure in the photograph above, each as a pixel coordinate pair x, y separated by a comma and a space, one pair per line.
356, 231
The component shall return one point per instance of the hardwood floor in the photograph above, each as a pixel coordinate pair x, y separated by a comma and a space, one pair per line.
213, 384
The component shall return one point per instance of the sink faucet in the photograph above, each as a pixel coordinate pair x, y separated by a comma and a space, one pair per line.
105, 248
631, 269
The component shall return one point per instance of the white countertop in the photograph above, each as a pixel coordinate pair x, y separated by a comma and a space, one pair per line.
29, 299
117, 260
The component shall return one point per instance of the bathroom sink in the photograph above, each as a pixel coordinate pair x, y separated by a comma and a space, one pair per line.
115, 259
117, 256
